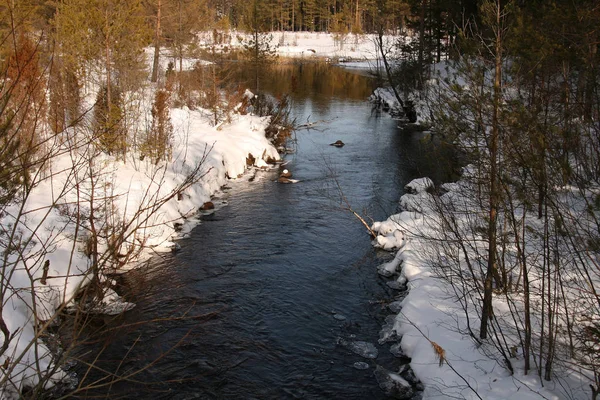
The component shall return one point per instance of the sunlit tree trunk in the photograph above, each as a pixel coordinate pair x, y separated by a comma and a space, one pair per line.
156, 44
494, 200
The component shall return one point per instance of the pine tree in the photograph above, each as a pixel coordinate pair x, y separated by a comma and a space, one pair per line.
258, 49
110, 34
109, 127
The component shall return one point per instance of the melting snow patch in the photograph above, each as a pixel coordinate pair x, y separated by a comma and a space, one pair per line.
419, 185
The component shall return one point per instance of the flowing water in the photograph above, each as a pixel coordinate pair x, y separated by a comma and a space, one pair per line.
262, 292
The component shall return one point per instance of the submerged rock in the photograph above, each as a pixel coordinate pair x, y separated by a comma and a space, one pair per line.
339, 317
361, 365
395, 285
381, 270
395, 306
115, 307
407, 373
388, 333
363, 349
393, 384
396, 350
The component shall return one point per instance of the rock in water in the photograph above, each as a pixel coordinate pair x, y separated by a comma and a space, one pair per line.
209, 205
396, 350
395, 306
395, 285
337, 143
393, 384
388, 333
363, 349
250, 160
361, 365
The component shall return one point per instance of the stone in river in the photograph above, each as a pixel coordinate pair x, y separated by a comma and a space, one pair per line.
361, 365
396, 350
393, 384
363, 349
339, 317
209, 205
395, 285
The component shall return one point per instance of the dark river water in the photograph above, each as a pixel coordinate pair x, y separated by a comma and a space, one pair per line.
254, 303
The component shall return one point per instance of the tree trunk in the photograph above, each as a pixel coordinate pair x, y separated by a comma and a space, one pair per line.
256, 58
107, 65
527, 306
422, 36
387, 66
156, 45
293, 15
357, 18
486, 312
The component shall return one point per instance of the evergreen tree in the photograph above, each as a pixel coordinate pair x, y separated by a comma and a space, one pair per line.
109, 129
110, 34
258, 49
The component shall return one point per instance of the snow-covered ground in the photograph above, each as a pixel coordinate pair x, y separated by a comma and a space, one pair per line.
310, 45
432, 321
325, 45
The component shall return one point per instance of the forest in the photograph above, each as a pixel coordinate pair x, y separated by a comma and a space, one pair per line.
513, 86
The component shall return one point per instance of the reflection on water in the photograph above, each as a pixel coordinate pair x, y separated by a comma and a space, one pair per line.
315, 81
256, 303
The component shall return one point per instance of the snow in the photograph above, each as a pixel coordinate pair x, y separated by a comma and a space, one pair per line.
430, 315
419, 185
350, 49
385, 97
332, 46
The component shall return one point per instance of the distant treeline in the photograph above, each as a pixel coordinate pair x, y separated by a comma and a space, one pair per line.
356, 16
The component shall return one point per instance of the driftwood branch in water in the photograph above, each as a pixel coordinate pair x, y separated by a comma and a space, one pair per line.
345, 204
310, 125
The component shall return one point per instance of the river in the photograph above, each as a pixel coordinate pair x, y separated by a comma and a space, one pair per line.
255, 303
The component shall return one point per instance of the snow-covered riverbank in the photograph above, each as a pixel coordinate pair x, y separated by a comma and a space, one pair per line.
434, 321
88, 213
143, 203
